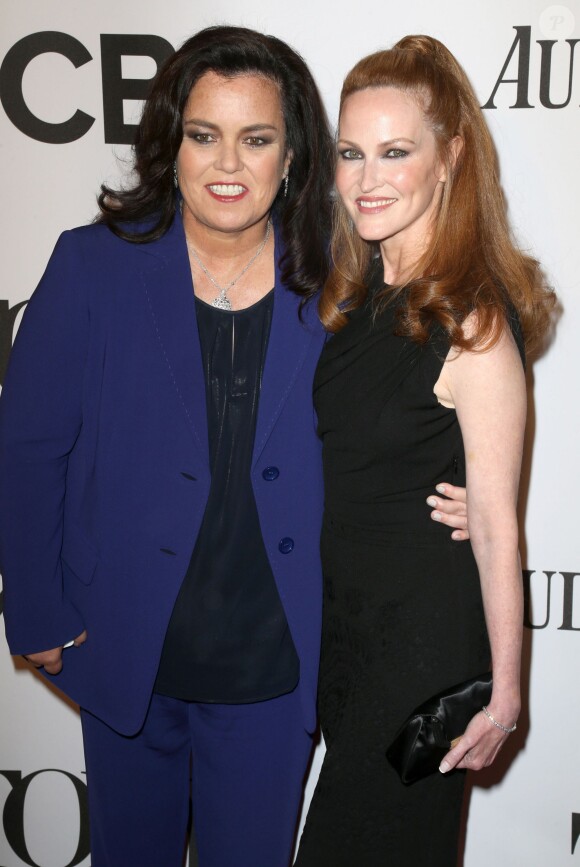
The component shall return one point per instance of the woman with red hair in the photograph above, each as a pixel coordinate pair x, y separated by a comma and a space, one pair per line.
431, 304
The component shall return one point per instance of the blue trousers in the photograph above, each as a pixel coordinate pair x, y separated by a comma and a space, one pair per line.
246, 764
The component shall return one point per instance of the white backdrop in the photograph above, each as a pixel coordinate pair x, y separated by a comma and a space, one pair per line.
530, 815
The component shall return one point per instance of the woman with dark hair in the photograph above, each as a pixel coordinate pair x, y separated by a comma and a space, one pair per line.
431, 303
161, 487
161, 493
300, 206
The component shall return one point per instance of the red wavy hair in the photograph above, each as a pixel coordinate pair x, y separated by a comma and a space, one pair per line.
471, 263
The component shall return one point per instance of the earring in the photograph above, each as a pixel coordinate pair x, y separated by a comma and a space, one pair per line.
285, 186
175, 181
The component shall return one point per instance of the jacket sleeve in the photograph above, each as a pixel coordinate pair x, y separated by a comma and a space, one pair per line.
40, 420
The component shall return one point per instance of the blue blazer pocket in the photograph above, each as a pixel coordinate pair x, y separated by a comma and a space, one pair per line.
79, 556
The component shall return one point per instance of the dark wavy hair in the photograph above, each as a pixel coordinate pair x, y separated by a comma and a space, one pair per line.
303, 217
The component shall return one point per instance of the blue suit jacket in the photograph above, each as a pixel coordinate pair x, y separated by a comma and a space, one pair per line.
104, 466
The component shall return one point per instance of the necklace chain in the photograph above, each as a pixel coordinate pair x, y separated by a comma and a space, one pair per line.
222, 301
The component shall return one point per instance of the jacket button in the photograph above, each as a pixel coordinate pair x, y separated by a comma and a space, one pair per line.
270, 473
286, 545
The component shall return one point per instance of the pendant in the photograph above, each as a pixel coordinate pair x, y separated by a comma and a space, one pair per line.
221, 302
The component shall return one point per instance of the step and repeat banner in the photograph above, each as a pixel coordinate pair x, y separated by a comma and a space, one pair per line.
72, 80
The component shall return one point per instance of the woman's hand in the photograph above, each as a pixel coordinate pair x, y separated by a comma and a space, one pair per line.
451, 509
51, 660
482, 741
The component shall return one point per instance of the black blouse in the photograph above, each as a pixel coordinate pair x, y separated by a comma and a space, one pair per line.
228, 639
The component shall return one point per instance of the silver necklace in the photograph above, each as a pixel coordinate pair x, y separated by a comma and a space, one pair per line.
222, 301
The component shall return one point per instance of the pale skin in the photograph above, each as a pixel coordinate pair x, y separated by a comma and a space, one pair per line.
234, 140
234, 134
493, 440
390, 178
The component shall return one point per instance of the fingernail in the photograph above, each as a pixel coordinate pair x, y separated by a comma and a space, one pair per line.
431, 501
440, 488
436, 516
444, 767
456, 536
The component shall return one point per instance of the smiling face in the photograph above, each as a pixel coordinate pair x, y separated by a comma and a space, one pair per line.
389, 175
233, 156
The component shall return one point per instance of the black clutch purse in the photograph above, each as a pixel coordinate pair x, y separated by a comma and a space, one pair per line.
428, 734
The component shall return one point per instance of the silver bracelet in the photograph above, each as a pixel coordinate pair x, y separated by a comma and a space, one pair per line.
498, 724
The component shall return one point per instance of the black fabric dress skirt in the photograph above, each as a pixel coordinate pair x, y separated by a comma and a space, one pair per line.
403, 613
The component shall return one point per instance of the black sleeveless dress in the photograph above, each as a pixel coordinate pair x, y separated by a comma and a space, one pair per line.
403, 613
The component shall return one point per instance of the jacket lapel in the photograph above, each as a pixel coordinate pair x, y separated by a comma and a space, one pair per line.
170, 298
169, 294
290, 339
